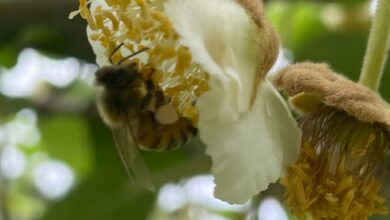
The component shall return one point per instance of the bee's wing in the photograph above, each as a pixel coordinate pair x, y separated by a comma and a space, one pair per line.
131, 157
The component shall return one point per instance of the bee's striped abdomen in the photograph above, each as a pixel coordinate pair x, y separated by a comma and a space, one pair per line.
158, 137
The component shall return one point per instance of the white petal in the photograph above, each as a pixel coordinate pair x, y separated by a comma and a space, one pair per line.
220, 37
248, 149
98, 49
252, 152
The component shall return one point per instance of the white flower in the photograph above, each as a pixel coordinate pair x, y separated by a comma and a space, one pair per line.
250, 147
250, 141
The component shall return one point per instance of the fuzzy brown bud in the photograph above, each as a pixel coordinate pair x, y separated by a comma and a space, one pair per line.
345, 145
317, 82
267, 39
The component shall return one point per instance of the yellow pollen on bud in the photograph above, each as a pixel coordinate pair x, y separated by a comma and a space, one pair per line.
141, 24
337, 175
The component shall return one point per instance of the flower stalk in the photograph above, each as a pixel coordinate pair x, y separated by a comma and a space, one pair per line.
378, 44
253, 213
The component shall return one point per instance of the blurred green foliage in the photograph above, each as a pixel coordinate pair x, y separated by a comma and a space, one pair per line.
304, 30
67, 137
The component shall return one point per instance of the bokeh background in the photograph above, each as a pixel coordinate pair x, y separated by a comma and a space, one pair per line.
58, 160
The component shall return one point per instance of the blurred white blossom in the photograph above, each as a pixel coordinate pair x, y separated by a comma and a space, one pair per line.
32, 70
53, 178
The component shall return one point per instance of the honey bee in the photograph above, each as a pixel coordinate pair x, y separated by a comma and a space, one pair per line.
140, 115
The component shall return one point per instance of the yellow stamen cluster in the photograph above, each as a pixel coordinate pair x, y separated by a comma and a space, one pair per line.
337, 174
139, 24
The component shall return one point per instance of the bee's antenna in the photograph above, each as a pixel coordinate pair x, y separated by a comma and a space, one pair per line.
115, 50
131, 55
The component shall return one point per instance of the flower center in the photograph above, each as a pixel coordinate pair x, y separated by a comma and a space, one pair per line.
140, 24
337, 175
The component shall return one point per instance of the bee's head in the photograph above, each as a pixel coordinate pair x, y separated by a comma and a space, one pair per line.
116, 76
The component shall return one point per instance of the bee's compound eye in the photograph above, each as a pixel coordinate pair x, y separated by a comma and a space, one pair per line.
102, 75
166, 114
123, 77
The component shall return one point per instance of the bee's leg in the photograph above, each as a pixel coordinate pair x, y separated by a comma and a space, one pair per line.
159, 98
147, 101
149, 74
168, 100
150, 85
